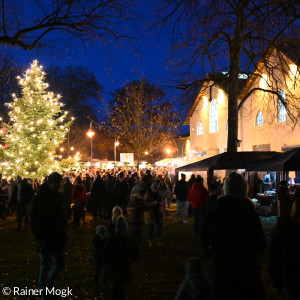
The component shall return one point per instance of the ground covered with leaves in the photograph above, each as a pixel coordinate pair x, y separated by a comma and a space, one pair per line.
156, 275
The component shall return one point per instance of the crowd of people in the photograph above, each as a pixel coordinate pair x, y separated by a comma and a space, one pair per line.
225, 221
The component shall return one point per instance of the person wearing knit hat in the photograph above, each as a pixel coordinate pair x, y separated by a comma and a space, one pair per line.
195, 285
99, 242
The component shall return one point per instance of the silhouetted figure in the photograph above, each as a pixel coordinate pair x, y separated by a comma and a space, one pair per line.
119, 253
48, 225
195, 286
97, 198
233, 234
154, 213
181, 191
67, 191
283, 198
25, 194
99, 241
79, 200
121, 192
198, 196
284, 258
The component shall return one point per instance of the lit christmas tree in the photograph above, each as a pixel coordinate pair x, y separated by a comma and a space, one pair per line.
37, 127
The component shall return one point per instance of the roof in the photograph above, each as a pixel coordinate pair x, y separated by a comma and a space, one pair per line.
219, 79
227, 161
183, 136
287, 161
290, 48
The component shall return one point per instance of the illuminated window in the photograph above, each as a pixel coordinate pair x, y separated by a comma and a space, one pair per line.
199, 128
263, 84
259, 119
213, 116
281, 108
294, 70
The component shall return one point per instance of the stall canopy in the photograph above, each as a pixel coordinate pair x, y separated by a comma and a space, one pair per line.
287, 161
228, 161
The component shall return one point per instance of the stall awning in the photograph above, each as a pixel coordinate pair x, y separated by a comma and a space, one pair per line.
287, 161
227, 161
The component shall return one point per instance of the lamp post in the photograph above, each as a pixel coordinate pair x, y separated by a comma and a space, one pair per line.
115, 149
90, 134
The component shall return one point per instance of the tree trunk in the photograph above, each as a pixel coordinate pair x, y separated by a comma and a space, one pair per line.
234, 70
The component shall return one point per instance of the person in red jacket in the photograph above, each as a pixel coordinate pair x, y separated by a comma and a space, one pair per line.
79, 199
197, 196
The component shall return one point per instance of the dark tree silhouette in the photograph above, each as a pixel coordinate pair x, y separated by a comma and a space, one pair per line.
31, 24
140, 119
210, 36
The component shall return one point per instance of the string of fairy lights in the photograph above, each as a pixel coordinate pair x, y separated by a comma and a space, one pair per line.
38, 125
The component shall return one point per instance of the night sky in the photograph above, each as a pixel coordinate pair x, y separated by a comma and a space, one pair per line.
113, 65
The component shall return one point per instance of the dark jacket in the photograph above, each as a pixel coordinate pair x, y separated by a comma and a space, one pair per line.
119, 253
48, 223
27, 192
98, 191
194, 287
233, 231
284, 258
121, 193
181, 190
67, 191
154, 205
98, 245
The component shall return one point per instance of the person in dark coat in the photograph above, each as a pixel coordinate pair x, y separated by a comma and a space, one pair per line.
25, 194
87, 182
191, 181
120, 252
283, 198
181, 193
148, 179
109, 196
195, 285
67, 191
154, 213
284, 249
12, 198
121, 192
48, 225
99, 242
97, 197
233, 232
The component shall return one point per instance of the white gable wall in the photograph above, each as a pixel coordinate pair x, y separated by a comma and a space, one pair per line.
275, 133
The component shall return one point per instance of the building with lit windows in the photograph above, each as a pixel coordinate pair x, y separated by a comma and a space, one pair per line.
269, 107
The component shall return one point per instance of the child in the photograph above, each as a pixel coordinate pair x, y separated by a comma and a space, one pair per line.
99, 242
119, 252
195, 285
111, 226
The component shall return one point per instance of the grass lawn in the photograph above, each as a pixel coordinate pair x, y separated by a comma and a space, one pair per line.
156, 275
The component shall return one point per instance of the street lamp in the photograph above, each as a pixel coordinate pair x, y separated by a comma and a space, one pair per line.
90, 134
115, 149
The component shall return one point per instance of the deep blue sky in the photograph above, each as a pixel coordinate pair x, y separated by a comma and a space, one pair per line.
117, 63
114, 65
